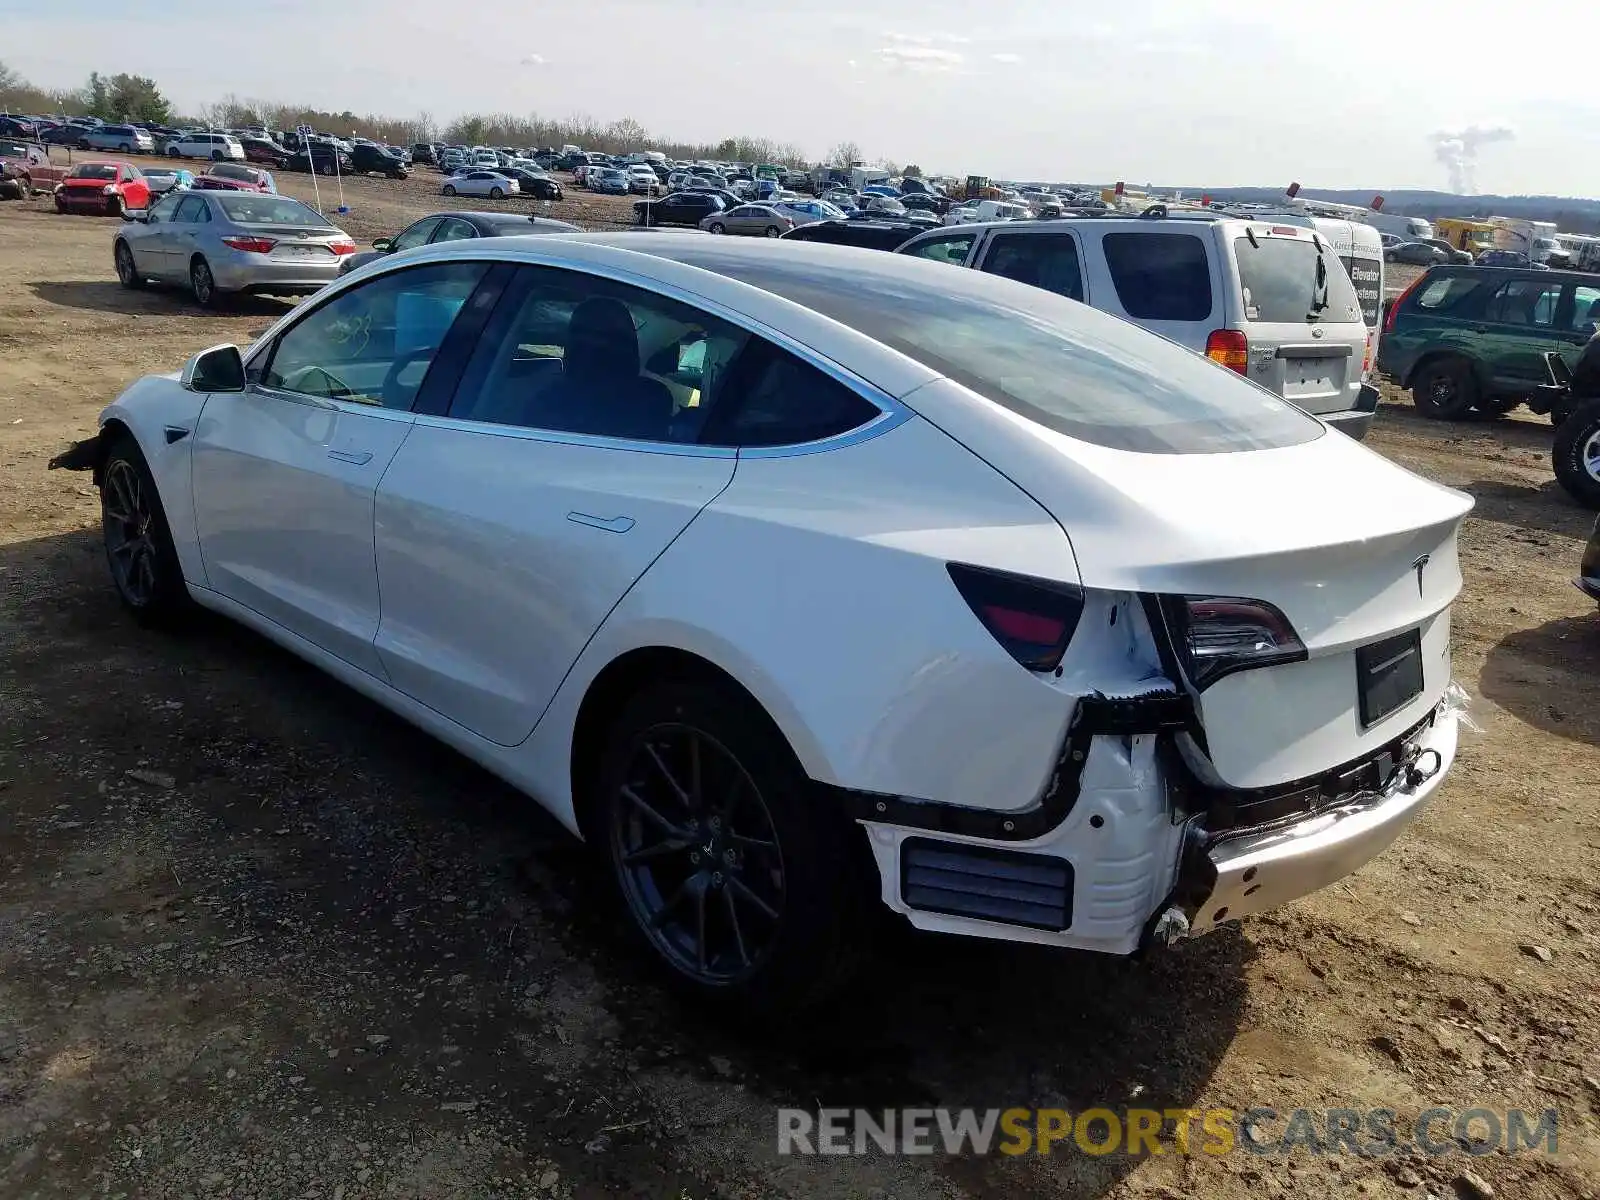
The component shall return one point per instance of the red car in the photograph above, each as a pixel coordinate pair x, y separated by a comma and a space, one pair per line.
232, 177
102, 187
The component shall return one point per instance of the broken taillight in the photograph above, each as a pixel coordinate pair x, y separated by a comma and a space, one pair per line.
1217, 635
1032, 619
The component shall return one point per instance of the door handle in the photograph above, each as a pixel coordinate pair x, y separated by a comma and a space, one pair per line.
359, 458
609, 524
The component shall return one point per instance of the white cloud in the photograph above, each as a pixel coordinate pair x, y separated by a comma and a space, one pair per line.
921, 58
533, 60
928, 39
1006, 58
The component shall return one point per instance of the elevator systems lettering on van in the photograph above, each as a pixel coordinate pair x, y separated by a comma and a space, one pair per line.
1360, 249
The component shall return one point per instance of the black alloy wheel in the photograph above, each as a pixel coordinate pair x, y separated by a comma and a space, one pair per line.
698, 855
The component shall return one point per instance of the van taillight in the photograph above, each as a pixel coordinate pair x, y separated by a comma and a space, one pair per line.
1366, 358
1230, 348
1032, 619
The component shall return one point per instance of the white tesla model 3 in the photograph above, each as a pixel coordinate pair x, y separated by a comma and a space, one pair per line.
798, 578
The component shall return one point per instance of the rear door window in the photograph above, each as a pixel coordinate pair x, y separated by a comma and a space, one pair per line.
1524, 302
1046, 260
1366, 276
1293, 281
1160, 276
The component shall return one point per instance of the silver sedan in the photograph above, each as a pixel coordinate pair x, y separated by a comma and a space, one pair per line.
223, 244
761, 220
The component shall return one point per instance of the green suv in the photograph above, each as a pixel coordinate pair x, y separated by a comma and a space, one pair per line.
1471, 340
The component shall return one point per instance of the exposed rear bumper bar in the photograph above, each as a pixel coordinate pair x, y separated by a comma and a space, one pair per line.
1250, 870
1356, 421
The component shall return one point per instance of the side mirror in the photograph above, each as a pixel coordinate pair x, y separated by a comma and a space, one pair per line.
219, 369
380, 243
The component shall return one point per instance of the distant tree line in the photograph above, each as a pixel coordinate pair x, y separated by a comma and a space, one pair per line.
136, 98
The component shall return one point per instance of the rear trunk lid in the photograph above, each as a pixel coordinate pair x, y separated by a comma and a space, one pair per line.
1352, 549
1301, 316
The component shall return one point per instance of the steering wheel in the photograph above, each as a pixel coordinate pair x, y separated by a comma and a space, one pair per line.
338, 389
391, 378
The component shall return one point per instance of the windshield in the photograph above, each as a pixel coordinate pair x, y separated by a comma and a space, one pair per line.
95, 171
1290, 281
260, 209
1051, 360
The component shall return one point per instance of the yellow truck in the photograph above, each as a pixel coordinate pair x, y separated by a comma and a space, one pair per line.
1471, 236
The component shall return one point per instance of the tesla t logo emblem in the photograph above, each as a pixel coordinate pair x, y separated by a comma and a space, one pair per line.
1419, 567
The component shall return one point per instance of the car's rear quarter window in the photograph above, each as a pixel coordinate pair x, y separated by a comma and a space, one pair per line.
1160, 276
1442, 295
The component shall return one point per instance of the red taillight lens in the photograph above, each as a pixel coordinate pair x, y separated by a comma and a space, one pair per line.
251, 245
1230, 348
1032, 619
1366, 358
1218, 635
342, 246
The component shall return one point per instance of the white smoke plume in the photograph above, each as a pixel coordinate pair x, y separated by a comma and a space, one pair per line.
1458, 150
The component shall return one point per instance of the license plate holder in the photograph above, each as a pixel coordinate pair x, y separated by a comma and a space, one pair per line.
1388, 675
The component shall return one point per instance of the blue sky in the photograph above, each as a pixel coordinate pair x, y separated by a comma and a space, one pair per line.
1207, 91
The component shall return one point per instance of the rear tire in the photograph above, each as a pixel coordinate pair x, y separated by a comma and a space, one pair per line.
124, 148
1575, 454
139, 551
717, 227
1445, 389
774, 231
497, 193
217, 156
735, 872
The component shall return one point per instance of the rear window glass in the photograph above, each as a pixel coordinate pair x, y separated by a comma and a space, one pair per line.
1080, 372
1291, 281
1366, 275
255, 208
1160, 276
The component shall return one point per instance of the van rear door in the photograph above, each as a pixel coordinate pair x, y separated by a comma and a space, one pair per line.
1300, 315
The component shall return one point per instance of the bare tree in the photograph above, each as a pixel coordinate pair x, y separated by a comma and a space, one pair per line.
844, 154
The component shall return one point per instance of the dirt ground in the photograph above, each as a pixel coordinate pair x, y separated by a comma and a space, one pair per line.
258, 939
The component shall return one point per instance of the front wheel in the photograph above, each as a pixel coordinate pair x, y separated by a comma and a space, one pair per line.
326, 168
1575, 454
127, 270
114, 206
1445, 389
734, 871
139, 550
448, 190
203, 284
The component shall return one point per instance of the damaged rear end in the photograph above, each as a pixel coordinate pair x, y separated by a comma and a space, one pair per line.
1260, 685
